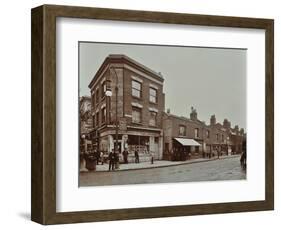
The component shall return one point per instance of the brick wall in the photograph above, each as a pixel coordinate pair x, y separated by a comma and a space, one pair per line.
144, 100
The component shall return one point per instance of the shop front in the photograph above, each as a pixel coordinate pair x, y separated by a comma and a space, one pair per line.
147, 144
184, 149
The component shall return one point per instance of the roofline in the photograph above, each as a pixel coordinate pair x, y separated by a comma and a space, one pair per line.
117, 58
184, 118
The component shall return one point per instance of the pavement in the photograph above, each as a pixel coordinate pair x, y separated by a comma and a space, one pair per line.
156, 164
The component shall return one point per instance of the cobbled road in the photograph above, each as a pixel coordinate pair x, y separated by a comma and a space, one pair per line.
220, 169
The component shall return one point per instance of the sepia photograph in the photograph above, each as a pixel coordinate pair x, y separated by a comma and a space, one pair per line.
161, 114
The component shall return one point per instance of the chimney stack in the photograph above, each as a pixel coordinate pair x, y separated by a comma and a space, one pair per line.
226, 124
242, 131
236, 129
213, 120
193, 114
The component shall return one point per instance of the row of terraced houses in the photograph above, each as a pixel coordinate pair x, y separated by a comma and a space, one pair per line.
137, 101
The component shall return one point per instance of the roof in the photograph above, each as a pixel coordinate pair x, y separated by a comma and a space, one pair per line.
135, 62
116, 58
184, 118
187, 142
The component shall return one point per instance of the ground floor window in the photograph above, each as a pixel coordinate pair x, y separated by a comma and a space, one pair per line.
139, 143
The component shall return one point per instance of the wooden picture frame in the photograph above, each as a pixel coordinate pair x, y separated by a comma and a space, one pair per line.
43, 207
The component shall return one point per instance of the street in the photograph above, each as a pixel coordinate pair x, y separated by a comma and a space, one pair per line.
220, 169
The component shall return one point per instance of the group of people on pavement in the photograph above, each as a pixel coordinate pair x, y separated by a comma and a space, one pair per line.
95, 157
113, 158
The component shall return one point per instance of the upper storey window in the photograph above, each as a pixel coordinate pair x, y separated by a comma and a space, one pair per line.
136, 89
152, 95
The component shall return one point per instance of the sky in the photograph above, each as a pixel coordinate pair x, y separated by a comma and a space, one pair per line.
212, 80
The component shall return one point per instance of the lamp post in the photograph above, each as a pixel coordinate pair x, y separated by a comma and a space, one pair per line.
108, 93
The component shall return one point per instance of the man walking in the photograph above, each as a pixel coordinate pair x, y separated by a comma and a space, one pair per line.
137, 159
116, 159
98, 156
111, 160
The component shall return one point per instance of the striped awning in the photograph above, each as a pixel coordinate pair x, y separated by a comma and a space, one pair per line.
187, 142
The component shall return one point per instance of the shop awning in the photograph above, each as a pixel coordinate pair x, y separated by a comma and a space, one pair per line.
187, 142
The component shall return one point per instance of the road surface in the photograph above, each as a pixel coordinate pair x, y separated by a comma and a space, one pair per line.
221, 169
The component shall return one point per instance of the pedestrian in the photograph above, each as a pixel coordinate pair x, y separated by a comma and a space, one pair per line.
137, 159
125, 156
98, 156
151, 158
111, 161
116, 159
243, 160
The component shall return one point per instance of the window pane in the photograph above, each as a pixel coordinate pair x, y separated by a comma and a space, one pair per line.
152, 95
135, 93
103, 115
136, 115
97, 119
136, 89
136, 85
152, 92
152, 99
97, 96
196, 132
152, 120
182, 131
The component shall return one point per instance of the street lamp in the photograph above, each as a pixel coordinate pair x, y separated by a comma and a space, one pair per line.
108, 93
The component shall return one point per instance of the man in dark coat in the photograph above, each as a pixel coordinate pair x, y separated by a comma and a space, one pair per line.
137, 159
111, 160
116, 159
98, 156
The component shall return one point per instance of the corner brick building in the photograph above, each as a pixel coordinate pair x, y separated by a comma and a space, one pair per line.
140, 105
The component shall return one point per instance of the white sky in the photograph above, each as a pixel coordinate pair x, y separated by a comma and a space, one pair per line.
212, 80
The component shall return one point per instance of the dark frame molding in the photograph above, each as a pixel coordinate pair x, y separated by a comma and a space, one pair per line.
43, 95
